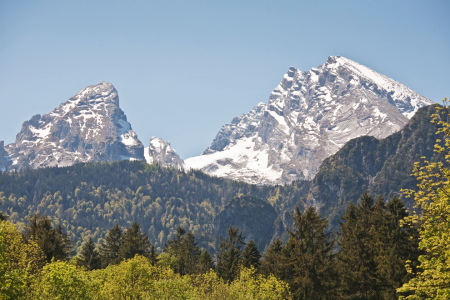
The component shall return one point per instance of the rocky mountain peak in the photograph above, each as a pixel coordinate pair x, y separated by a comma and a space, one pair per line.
162, 153
309, 116
90, 126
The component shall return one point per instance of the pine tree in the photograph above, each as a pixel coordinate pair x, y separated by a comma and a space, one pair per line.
89, 257
134, 242
357, 265
205, 262
307, 261
185, 250
251, 256
153, 255
54, 242
402, 244
109, 251
374, 249
271, 261
230, 254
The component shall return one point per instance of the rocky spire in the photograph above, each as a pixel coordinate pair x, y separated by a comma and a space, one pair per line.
90, 126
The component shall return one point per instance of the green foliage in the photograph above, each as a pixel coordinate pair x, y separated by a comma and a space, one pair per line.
432, 279
306, 261
62, 281
251, 256
271, 260
137, 278
185, 251
373, 249
52, 240
89, 257
109, 251
14, 267
134, 242
230, 254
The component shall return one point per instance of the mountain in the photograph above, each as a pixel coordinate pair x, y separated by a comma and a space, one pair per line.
309, 116
90, 126
161, 152
383, 167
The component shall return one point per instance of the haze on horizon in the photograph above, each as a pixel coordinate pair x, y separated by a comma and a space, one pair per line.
183, 69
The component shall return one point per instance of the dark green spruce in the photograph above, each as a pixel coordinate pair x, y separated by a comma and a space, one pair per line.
230, 254
89, 257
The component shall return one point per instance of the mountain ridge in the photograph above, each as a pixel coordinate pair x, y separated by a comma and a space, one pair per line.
309, 116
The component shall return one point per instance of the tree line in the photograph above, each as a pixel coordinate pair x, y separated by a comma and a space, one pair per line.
87, 199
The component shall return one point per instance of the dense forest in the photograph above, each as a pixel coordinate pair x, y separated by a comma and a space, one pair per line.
87, 199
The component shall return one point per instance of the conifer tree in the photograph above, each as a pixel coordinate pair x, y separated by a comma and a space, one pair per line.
357, 263
185, 250
374, 249
251, 256
307, 260
230, 254
54, 242
401, 245
134, 242
89, 257
271, 261
205, 262
109, 251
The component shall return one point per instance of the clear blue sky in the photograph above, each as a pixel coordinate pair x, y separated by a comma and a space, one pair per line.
185, 68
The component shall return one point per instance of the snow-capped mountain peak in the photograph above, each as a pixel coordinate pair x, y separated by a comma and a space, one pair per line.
90, 126
309, 116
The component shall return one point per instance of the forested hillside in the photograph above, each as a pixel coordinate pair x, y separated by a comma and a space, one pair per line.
383, 167
88, 199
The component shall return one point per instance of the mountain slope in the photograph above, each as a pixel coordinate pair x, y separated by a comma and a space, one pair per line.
383, 166
90, 126
309, 116
254, 217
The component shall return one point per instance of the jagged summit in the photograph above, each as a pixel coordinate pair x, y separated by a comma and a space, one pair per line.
90, 126
161, 152
309, 116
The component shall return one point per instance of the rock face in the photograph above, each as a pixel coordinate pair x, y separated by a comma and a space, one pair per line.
254, 217
161, 152
88, 127
310, 116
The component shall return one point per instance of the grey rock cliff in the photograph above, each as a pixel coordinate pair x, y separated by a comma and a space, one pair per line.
309, 116
161, 152
88, 127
